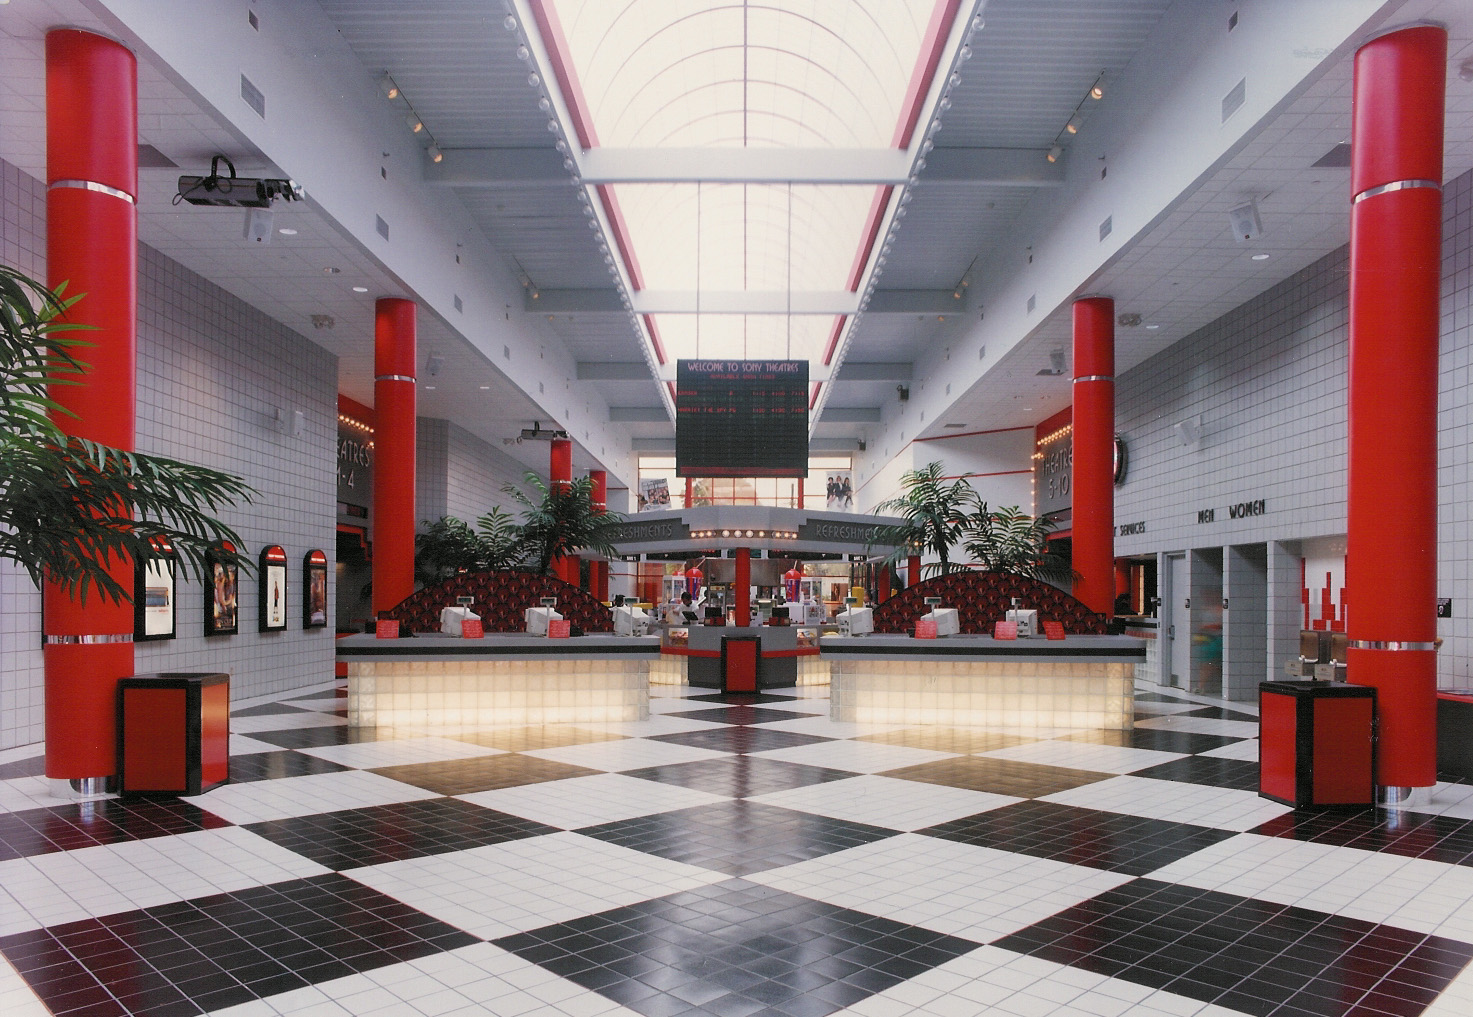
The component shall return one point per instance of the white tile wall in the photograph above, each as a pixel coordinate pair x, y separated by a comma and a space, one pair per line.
1269, 382
458, 474
212, 373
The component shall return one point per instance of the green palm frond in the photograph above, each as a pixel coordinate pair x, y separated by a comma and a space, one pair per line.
934, 510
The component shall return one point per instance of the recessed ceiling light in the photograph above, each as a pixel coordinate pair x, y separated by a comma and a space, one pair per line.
332, 270
360, 289
1260, 257
1153, 326
287, 231
430, 387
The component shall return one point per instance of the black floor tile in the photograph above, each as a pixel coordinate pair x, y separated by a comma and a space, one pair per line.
319, 737
740, 715
482, 773
1245, 954
1409, 834
739, 776
1158, 697
1220, 713
1101, 840
737, 837
270, 709
1150, 738
391, 833
961, 740
737, 739
252, 766
32, 767
759, 951
233, 947
88, 824
741, 698
1240, 774
999, 776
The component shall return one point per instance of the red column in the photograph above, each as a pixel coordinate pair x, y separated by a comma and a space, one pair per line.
800, 494
92, 245
912, 570
884, 593
394, 355
742, 588
1094, 435
1395, 267
598, 571
559, 476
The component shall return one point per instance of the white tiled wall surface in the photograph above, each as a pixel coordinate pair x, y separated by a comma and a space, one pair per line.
1268, 381
458, 474
212, 375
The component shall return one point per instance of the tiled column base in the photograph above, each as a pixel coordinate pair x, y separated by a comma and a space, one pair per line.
813, 671
441, 694
669, 669
1016, 696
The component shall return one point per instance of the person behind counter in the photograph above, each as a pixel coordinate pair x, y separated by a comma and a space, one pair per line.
681, 612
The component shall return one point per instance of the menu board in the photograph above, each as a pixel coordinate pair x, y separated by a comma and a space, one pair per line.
741, 418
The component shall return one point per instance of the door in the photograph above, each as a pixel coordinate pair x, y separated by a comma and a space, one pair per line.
1178, 622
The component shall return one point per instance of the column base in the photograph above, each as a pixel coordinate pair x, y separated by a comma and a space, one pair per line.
1391, 797
81, 789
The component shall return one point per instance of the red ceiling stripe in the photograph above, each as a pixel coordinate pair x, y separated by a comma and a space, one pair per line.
649, 323
562, 66
621, 235
942, 17
833, 343
871, 234
813, 399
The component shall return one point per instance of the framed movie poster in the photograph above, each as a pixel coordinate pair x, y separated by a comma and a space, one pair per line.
273, 589
153, 593
314, 590
222, 603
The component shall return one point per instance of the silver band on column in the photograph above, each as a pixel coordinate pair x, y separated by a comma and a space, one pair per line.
1095, 377
1390, 644
120, 637
93, 185
393, 377
1395, 185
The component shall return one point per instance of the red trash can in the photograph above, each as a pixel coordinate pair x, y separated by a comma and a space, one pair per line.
173, 733
1317, 743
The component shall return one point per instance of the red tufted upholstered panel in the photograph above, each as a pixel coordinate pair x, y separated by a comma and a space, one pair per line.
982, 598
501, 597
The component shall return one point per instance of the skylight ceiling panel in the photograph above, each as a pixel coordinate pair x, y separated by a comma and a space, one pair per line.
746, 337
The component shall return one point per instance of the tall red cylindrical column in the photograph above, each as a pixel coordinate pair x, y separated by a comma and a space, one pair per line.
690, 487
394, 356
598, 571
1395, 267
1094, 437
742, 587
912, 570
92, 246
883, 594
559, 477
801, 503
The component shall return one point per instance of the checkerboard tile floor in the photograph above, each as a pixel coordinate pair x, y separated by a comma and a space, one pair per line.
732, 857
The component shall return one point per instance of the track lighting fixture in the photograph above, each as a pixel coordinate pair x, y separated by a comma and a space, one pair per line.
1054, 153
435, 154
415, 123
387, 84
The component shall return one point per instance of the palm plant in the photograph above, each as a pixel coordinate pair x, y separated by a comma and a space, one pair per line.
1010, 540
935, 514
561, 521
449, 545
73, 510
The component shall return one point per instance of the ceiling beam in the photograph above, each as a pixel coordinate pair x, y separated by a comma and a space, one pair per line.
875, 371
850, 415
652, 444
543, 167
599, 370
638, 414
606, 301
819, 445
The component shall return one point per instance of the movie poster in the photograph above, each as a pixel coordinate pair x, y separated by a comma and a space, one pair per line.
654, 494
840, 491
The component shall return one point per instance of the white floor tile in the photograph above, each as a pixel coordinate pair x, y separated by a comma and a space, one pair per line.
625, 754
824, 727
588, 801
859, 757
525, 884
658, 724
1164, 709
244, 745
1174, 801
1410, 893
887, 802
399, 752
974, 892
20, 793
1246, 750
68, 886
261, 800
1084, 756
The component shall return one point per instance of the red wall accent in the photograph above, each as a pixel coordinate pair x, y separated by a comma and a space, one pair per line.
395, 353
1093, 509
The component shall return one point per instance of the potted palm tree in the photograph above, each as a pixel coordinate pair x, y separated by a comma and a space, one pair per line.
69, 506
935, 514
561, 520
1010, 541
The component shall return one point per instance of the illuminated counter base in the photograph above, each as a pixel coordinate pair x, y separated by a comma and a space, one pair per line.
445, 683
1083, 682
